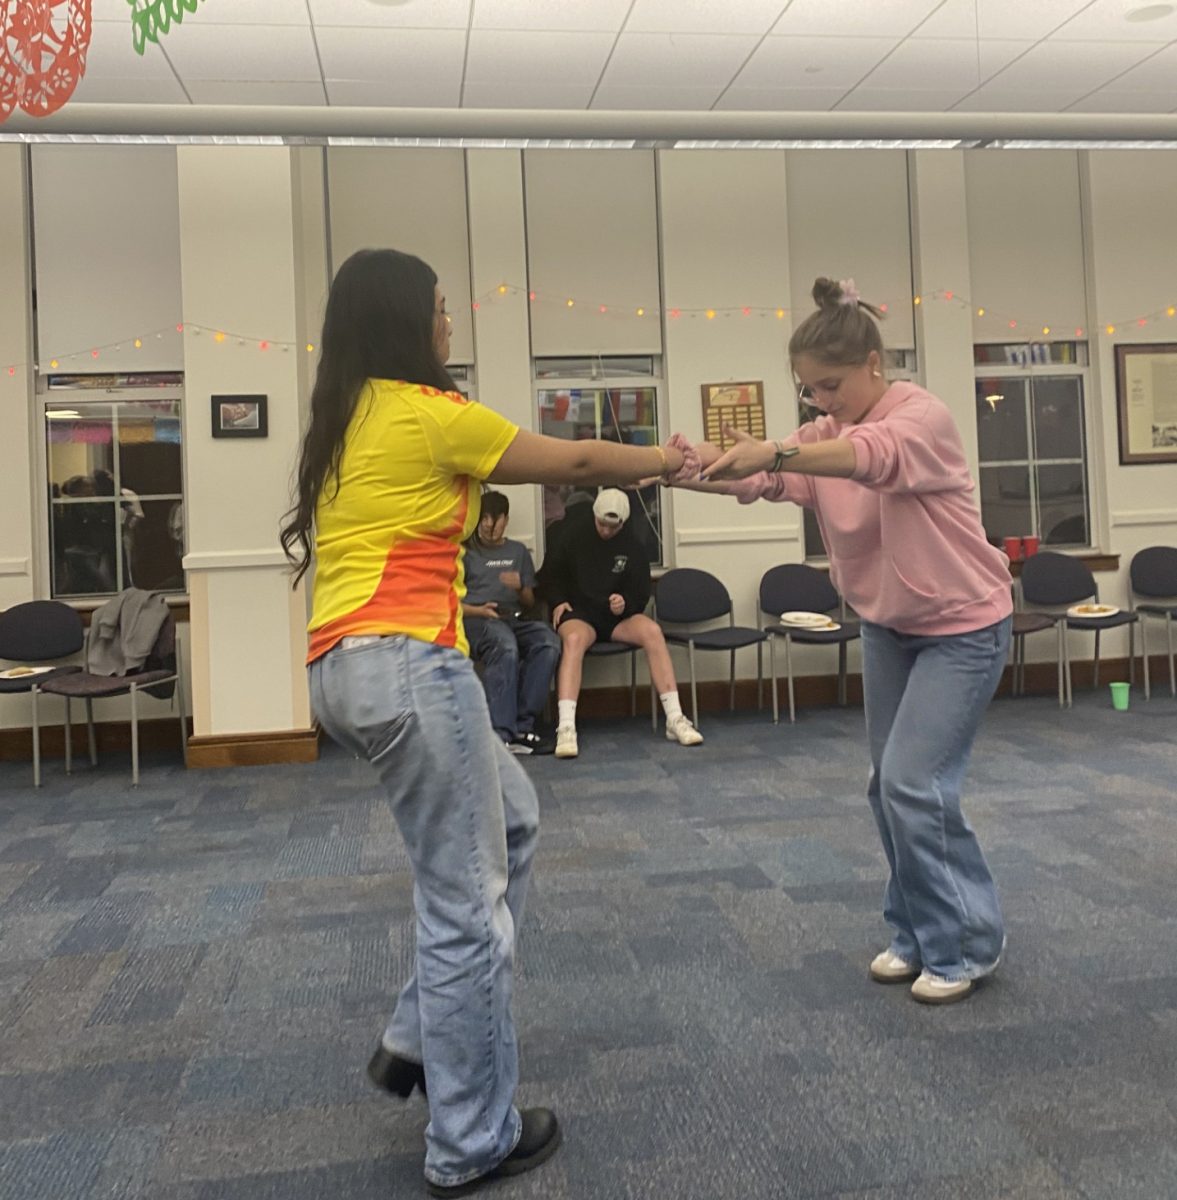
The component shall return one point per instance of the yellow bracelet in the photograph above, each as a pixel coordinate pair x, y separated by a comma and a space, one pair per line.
662, 458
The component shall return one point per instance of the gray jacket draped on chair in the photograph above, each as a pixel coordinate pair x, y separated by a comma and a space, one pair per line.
123, 632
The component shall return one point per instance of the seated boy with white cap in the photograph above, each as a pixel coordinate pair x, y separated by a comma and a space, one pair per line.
597, 579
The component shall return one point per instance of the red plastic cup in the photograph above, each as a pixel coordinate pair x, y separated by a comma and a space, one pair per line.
1013, 548
1029, 546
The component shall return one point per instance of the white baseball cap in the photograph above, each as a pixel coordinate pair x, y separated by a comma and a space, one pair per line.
611, 507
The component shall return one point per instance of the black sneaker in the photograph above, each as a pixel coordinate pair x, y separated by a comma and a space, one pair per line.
395, 1074
537, 1143
531, 743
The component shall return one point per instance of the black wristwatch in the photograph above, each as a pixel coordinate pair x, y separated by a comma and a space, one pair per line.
782, 453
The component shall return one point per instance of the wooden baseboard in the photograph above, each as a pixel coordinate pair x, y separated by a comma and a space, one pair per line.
157, 734
254, 749
114, 737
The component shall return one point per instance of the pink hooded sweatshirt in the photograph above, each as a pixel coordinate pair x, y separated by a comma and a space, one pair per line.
906, 544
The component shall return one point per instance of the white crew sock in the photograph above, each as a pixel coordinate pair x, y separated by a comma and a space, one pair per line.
670, 705
567, 712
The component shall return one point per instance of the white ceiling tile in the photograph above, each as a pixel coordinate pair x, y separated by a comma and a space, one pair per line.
638, 96
869, 99
1157, 73
391, 93
497, 56
252, 91
793, 62
1055, 65
525, 95
995, 98
112, 56
211, 51
600, 16
93, 90
1106, 101
704, 16
761, 99
943, 65
1106, 21
684, 60
223, 12
833, 18
413, 14
1017, 19
425, 61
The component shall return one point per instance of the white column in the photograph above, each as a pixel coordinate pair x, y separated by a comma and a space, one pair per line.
940, 262
17, 521
241, 212
502, 339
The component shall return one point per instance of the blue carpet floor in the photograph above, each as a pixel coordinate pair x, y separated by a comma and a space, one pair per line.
192, 975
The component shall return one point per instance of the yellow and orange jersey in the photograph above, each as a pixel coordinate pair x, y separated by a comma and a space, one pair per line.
388, 544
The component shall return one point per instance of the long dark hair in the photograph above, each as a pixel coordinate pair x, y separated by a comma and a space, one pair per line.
378, 325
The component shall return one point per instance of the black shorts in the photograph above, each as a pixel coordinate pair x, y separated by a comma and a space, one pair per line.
602, 623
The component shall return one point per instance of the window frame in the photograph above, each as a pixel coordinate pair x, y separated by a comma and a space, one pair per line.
46, 396
601, 380
1030, 371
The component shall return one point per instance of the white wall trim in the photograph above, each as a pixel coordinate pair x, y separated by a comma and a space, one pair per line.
710, 535
1145, 516
235, 560
14, 566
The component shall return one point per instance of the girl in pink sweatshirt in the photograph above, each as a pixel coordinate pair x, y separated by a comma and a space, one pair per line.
885, 472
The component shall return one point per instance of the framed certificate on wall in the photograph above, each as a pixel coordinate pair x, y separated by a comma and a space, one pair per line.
1146, 403
740, 405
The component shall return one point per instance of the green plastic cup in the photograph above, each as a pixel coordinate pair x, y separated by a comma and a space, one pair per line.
1119, 696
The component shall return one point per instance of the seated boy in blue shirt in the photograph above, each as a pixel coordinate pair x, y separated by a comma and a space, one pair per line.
518, 657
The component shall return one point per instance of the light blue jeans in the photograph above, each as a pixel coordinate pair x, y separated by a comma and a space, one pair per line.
470, 821
925, 697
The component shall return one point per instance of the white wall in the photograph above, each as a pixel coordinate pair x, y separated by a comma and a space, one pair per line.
107, 230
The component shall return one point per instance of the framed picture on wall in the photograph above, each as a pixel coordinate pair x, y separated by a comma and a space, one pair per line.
740, 405
239, 417
1146, 403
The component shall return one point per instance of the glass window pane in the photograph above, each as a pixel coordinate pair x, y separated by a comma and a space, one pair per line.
80, 449
149, 448
152, 534
83, 547
1058, 416
815, 547
1001, 420
1005, 502
1062, 504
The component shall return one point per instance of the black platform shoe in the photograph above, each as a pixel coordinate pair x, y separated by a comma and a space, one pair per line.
537, 1143
395, 1074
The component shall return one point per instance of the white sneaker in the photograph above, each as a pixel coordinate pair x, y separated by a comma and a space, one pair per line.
566, 746
933, 989
888, 967
679, 729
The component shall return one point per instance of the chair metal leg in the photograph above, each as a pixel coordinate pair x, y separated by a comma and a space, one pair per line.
1144, 656
776, 701
1169, 639
1132, 654
91, 742
134, 736
759, 676
1095, 674
68, 738
694, 689
180, 706
1058, 650
842, 674
633, 683
653, 707
1067, 672
731, 699
789, 676
36, 740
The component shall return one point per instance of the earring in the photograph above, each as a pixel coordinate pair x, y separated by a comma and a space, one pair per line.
877, 374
